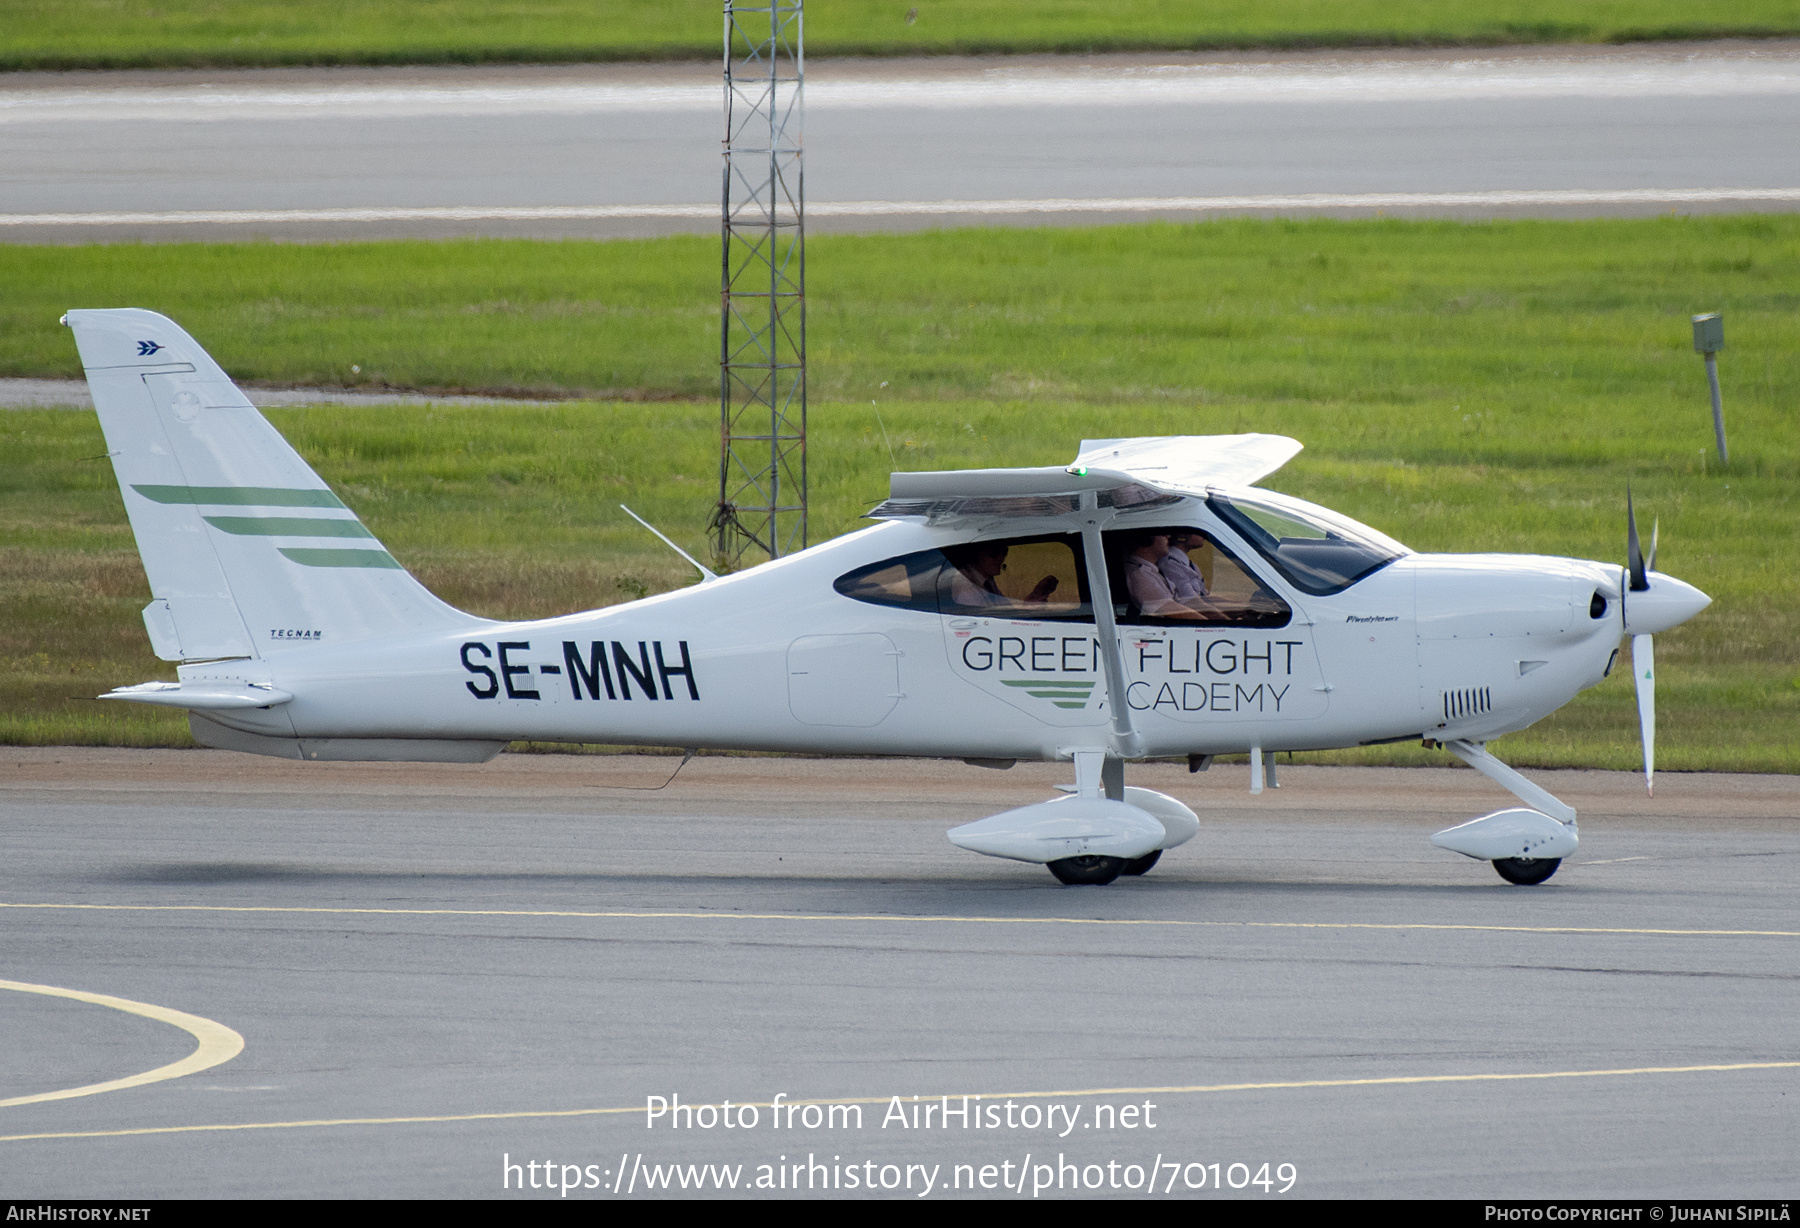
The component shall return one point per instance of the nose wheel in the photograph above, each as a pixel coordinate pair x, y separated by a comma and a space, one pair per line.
1526, 871
1098, 871
1090, 871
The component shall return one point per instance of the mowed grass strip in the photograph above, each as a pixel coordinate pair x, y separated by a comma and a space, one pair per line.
1463, 386
254, 33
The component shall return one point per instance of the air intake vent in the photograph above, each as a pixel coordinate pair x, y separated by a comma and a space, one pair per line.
1472, 701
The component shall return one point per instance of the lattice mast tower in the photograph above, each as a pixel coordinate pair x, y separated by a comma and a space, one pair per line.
762, 319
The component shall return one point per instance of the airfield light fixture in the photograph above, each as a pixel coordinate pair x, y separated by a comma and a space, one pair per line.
1709, 339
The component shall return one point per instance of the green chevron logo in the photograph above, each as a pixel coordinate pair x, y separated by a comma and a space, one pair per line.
1063, 692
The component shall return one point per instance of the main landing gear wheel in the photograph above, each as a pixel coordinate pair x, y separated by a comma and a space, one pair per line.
1526, 871
1091, 871
1141, 865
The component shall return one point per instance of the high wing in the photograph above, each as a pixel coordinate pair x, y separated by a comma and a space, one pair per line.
1134, 473
1188, 464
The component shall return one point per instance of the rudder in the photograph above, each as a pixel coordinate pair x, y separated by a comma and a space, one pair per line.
248, 552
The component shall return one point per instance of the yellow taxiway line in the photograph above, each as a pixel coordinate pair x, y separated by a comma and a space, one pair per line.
218, 1043
1072, 1094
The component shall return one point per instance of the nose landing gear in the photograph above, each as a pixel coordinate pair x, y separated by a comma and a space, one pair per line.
1526, 871
1089, 871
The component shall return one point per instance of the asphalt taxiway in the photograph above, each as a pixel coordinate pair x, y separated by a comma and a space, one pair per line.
434, 971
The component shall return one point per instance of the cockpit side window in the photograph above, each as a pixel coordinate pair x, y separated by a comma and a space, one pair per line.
1316, 555
1021, 578
1039, 578
1181, 576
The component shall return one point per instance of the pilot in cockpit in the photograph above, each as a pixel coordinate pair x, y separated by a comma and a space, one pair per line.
975, 582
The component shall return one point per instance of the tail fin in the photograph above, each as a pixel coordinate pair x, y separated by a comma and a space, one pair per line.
248, 552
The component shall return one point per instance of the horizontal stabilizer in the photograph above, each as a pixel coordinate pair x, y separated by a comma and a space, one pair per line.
204, 696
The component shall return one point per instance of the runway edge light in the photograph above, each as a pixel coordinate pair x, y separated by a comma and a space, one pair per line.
1709, 339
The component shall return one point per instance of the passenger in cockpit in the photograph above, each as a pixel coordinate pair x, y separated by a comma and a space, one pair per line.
975, 581
1149, 587
1185, 581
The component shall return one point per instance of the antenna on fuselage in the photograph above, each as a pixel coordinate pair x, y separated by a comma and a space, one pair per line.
705, 573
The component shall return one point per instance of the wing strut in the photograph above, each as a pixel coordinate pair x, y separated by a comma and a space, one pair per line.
1127, 743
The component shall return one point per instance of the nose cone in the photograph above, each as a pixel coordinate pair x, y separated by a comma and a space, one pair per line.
1668, 603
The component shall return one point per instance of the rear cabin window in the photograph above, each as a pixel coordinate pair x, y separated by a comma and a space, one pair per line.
909, 582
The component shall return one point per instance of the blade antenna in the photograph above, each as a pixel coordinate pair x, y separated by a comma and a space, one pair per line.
705, 573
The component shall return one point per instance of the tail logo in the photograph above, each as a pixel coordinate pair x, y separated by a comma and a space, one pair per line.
147, 348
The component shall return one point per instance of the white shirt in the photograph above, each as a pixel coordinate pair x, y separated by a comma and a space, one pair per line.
1184, 578
965, 591
1148, 589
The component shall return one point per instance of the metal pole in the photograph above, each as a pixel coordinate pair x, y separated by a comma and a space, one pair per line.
1712, 381
762, 280
1709, 339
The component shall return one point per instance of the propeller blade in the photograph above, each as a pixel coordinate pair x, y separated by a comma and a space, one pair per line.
1634, 552
1643, 673
1655, 529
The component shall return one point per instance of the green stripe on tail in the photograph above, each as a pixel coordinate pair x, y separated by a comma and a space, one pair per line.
240, 496
318, 557
288, 526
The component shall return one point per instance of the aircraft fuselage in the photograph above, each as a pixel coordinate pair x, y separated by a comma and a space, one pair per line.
1443, 646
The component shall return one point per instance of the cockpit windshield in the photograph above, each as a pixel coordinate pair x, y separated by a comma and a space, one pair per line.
1318, 551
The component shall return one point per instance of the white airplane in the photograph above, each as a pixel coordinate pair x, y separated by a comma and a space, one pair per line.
961, 625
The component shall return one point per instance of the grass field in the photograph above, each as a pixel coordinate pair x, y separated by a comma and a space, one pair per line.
1463, 386
211, 33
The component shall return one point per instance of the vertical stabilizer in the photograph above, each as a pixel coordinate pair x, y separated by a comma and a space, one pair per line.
248, 552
